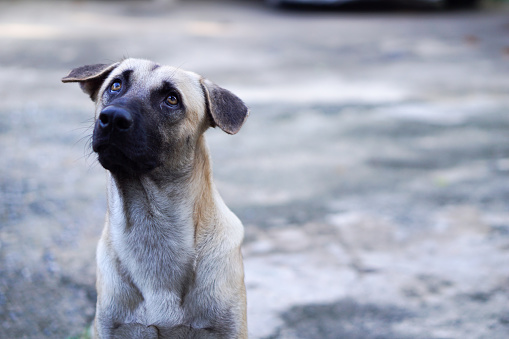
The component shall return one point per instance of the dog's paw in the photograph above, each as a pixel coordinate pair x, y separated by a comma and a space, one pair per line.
176, 332
188, 332
135, 331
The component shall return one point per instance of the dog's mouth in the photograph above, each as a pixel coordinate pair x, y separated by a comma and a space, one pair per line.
116, 160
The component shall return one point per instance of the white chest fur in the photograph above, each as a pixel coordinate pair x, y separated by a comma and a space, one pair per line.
152, 241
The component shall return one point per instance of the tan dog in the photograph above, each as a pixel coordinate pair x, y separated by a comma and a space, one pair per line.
169, 260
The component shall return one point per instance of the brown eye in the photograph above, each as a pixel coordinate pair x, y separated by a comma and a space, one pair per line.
116, 86
172, 100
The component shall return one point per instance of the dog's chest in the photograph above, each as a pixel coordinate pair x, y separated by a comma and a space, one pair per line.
153, 236
158, 260
158, 255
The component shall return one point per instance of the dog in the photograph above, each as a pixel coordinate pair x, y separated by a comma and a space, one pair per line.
169, 263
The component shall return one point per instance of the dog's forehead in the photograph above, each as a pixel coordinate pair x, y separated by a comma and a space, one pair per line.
147, 75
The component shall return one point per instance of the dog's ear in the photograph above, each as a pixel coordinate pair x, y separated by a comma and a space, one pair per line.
226, 109
90, 77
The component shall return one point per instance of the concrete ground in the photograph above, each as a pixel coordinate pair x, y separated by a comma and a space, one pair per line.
372, 176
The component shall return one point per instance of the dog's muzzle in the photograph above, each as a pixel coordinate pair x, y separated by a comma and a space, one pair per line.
121, 143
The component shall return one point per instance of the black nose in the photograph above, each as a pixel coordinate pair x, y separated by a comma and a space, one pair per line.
115, 118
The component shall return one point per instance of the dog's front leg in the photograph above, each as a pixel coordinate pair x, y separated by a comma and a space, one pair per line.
201, 333
135, 331
187, 332
177, 332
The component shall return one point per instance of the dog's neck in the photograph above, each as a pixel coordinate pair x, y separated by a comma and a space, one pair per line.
176, 202
158, 224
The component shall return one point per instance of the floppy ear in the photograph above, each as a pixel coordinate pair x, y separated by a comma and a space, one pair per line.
90, 77
226, 109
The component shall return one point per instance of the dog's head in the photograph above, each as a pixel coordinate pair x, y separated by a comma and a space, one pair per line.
148, 115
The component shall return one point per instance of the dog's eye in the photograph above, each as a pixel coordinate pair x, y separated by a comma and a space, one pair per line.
116, 86
172, 100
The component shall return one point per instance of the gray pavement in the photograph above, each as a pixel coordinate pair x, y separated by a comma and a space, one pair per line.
372, 175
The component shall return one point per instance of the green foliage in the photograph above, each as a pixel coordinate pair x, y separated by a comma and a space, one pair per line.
86, 334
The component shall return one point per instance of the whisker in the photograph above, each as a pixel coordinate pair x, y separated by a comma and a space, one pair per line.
80, 140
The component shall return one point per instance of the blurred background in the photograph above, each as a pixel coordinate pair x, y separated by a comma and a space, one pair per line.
372, 176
